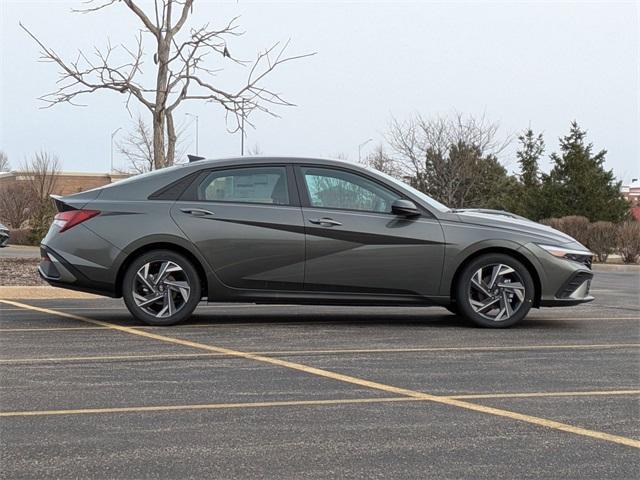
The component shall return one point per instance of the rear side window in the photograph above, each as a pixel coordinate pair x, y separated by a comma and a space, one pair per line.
267, 185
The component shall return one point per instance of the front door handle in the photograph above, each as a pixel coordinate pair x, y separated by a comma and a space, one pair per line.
197, 212
325, 222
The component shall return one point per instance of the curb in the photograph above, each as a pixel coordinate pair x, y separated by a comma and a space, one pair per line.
39, 293
615, 267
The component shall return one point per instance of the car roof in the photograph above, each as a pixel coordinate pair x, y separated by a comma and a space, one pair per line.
247, 160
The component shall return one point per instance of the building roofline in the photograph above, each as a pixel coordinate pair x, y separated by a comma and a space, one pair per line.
14, 173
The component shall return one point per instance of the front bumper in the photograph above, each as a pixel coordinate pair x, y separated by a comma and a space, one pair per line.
563, 282
573, 292
4, 238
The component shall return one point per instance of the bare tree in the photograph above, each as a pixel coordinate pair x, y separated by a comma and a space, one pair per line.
41, 176
602, 239
15, 204
41, 173
4, 162
137, 147
181, 71
381, 161
448, 157
629, 241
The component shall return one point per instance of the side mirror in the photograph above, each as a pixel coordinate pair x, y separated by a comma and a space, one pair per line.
405, 208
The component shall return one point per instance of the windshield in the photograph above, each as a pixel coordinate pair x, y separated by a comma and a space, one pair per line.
426, 198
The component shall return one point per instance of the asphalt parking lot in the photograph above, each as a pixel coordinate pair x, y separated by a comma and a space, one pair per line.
246, 391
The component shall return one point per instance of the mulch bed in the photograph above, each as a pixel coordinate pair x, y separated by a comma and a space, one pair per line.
20, 271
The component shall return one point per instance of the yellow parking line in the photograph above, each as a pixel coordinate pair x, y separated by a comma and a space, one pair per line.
210, 406
159, 356
266, 322
492, 348
337, 351
48, 329
543, 422
546, 394
292, 403
216, 306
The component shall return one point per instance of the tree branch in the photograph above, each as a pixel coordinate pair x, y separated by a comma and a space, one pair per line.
154, 29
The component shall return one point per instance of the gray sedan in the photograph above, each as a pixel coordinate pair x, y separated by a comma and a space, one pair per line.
301, 230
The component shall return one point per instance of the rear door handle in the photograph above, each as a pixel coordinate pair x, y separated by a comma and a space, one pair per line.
197, 212
325, 222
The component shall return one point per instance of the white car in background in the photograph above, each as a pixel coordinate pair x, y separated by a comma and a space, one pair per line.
4, 236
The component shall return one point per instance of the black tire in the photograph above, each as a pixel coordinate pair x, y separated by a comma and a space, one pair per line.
187, 273
463, 291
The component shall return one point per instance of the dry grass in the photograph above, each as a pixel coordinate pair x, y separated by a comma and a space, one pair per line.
19, 271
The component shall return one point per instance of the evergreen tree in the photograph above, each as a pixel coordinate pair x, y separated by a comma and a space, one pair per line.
578, 184
527, 199
531, 149
464, 177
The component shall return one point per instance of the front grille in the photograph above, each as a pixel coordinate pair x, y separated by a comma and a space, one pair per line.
573, 284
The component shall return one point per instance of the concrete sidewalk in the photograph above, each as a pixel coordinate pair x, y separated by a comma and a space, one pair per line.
20, 251
39, 293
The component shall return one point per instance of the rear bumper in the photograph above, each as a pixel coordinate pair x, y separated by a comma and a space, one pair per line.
57, 272
54, 269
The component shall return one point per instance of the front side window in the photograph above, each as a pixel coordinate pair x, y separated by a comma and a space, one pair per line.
246, 185
329, 188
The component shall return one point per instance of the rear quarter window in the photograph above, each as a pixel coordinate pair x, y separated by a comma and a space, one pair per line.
265, 185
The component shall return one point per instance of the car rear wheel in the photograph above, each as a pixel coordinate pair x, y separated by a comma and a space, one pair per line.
161, 287
495, 290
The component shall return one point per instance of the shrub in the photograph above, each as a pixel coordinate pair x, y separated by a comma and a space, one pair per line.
16, 202
629, 241
40, 221
577, 227
20, 237
602, 238
574, 226
552, 222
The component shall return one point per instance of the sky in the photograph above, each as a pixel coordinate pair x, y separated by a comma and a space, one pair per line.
538, 64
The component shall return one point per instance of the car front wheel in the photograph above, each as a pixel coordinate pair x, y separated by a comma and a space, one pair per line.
495, 291
161, 287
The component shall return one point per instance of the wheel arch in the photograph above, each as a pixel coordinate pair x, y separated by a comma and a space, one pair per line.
162, 244
506, 251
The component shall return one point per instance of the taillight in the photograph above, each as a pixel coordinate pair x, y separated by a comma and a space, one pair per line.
71, 218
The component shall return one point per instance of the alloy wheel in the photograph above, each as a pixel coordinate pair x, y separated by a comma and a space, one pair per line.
161, 288
496, 292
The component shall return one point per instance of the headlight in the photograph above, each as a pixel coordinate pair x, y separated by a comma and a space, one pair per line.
580, 256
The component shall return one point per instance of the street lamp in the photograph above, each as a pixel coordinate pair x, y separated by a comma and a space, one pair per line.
197, 128
360, 148
242, 131
113, 134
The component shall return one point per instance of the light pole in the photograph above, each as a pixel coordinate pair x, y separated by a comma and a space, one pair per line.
113, 134
197, 128
242, 132
360, 148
